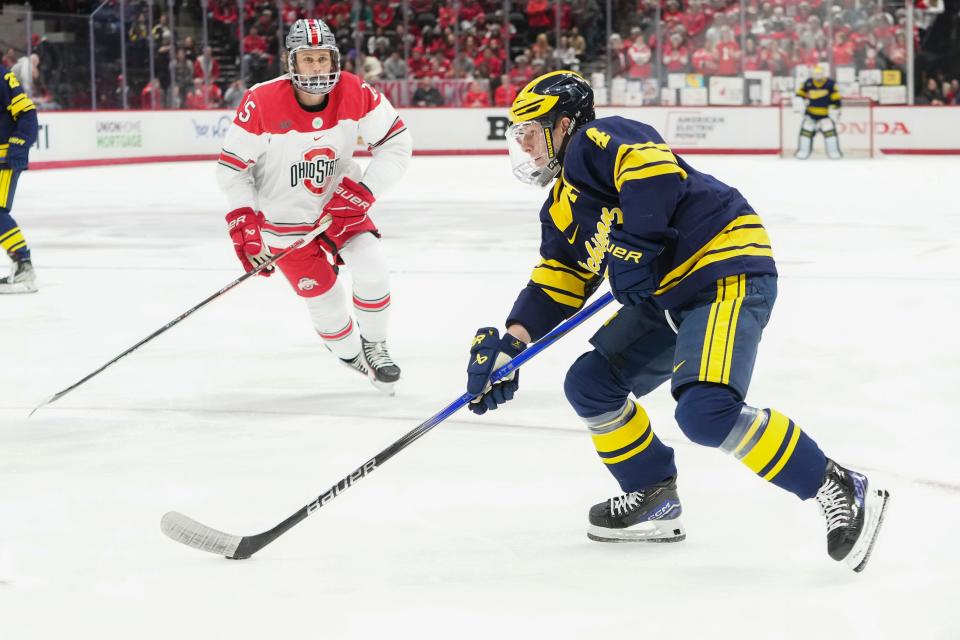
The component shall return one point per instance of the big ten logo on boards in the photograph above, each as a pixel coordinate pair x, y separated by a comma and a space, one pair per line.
119, 134
498, 127
316, 169
204, 129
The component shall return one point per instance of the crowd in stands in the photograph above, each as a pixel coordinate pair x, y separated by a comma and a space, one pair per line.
477, 53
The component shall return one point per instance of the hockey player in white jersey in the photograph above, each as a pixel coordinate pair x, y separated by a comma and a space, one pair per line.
286, 167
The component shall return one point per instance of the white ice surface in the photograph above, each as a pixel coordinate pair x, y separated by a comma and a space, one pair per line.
238, 416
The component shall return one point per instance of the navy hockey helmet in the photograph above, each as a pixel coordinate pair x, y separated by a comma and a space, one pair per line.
537, 109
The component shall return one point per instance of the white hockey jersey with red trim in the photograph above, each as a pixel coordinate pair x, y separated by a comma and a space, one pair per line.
286, 160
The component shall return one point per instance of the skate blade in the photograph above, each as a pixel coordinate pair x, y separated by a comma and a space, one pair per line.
876, 507
650, 531
384, 387
19, 287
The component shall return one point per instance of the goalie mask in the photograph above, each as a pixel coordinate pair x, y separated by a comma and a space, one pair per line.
312, 35
534, 155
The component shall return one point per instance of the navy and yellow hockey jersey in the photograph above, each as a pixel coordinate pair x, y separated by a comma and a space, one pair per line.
19, 116
620, 173
820, 96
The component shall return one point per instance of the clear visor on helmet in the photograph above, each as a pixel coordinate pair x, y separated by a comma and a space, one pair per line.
317, 69
533, 155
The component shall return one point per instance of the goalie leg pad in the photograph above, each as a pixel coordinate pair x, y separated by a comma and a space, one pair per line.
805, 145
830, 140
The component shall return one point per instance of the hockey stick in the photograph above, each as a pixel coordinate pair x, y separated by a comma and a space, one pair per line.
199, 536
296, 245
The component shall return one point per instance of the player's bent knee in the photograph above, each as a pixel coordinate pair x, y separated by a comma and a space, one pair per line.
707, 413
590, 386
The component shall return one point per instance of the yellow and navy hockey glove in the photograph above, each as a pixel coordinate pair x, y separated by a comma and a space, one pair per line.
488, 353
17, 153
631, 267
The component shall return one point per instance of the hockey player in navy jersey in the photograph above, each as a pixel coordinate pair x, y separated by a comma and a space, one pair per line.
821, 97
691, 262
18, 131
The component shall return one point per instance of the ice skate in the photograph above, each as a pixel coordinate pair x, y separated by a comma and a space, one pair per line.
21, 279
854, 512
384, 372
649, 515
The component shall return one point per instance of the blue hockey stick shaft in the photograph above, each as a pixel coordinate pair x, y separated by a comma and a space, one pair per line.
199, 536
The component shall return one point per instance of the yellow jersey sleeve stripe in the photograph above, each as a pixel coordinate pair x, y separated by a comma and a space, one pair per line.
743, 236
769, 443
559, 280
649, 171
563, 298
586, 276
21, 107
636, 156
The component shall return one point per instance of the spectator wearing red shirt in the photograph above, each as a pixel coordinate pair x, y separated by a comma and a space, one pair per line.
640, 56
538, 16
471, 11
203, 96
254, 42
152, 95
522, 72
383, 14
489, 58
676, 56
418, 64
751, 56
705, 61
695, 19
842, 50
727, 54
476, 96
504, 95
206, 67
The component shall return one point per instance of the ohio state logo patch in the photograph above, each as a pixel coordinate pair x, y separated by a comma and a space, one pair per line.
305, 284
315, 171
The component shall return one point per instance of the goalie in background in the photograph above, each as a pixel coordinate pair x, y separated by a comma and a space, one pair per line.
821, 96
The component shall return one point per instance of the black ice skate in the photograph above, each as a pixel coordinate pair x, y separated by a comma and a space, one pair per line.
384, 370
21, 279
358, 364
854, 513
650, 515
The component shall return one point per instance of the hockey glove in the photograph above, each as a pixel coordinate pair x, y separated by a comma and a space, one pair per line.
348, 207
631, 263
488, 353
17, 154
244, 227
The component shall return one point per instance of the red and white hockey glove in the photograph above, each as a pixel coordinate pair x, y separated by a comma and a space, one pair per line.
348, 207
244, 227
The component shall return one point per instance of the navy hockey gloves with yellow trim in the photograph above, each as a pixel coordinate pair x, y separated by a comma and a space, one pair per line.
631, 263
17, 154
488, 353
